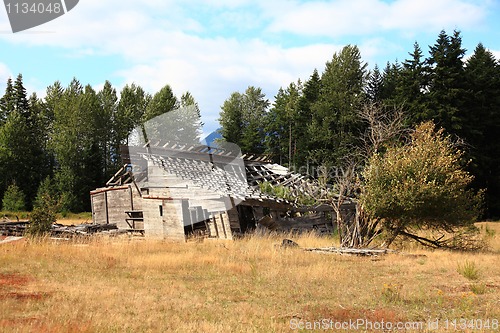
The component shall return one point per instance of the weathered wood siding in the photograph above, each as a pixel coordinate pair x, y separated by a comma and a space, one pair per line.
163, 216
219, 226
109, 205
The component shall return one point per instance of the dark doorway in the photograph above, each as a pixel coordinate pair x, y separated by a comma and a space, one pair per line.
246, 217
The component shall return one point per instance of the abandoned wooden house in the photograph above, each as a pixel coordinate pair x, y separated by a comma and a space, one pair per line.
173, 191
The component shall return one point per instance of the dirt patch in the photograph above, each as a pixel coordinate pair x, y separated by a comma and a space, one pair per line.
32, 324
346, 314
69, 222
14, 280
12, 284
16, 322
24, 296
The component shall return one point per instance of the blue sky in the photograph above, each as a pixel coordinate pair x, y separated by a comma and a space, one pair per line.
213, 48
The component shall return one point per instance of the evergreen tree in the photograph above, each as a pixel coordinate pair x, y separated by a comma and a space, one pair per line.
106, 129
243, 119
310, 95
13, 199
276, 128
391, 79
413, 86
190, 124
231, 119
163, 101
7, 102
481, 124
22, 150
335, 125
283, 124
45, 209
374, 86
21, 100
446, 83
129, 113
255, 107
421, 186
74, 144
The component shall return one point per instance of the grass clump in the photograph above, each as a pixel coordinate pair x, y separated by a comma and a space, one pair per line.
478, 288
469, 270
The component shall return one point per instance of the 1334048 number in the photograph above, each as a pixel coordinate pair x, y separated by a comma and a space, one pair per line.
35, 8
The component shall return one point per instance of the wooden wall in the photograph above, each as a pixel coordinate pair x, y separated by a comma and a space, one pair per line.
110, 204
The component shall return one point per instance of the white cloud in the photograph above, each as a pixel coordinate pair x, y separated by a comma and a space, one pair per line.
329, 18
160, 49
432, 15
4, 72
164, 42
346, 17
212, 69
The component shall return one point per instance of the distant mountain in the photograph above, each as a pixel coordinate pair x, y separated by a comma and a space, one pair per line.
210, 140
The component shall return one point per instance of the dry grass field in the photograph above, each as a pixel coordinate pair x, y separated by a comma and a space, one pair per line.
249, 285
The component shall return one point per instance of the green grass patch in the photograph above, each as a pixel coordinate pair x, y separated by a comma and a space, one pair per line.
469, 270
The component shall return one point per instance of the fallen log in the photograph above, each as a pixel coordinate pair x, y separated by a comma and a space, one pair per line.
350, 251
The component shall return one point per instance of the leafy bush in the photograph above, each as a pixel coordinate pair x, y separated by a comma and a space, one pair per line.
420, 186
13, 199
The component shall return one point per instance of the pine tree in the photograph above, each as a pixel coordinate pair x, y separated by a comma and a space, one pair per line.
22, 148
69, 142
163, 101
13, 199
446, 84
374, 85
283, 125
21, 100
413, 86
421, 186
106, 129
310, 95
243, 120
335, 125
129, 113
153, 126
481, 124
231, 119
7, 102
255, 107
391, 80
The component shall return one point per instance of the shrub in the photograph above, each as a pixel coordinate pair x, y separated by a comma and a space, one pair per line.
13, 199
421, 186
44, 212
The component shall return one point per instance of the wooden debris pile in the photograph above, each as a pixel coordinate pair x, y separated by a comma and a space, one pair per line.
11, 228
18, 228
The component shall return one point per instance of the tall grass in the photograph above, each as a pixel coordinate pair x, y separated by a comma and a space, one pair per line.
469, 270
248, 285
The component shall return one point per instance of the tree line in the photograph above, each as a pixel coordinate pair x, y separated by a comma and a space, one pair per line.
70, 140
68, 143
318, 122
